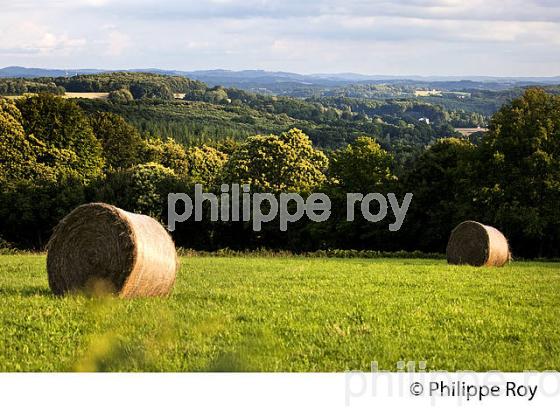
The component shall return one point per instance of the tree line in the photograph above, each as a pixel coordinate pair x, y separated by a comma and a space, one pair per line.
54, 155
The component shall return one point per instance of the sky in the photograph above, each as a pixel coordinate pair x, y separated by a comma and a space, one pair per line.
390, 37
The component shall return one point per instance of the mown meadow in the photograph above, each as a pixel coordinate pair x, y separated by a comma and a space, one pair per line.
289, 314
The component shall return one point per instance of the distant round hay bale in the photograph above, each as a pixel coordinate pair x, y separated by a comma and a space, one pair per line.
99, 248
472, 243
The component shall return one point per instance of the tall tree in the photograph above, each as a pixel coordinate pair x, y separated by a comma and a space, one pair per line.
362, 166
121, 142
440, 181
519, 176
166, 152
64, 134
205, 165
17, 157
278, 163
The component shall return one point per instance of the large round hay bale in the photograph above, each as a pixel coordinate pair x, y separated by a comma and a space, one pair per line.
472, 243
99, 248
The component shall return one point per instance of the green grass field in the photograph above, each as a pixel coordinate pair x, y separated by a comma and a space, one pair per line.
289, 314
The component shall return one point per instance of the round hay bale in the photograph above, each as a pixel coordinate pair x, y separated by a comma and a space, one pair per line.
99, 249
472, 243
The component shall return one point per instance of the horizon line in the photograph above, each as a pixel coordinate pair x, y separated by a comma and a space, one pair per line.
269, 71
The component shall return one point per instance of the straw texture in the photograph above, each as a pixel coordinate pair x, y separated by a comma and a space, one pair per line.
472, 243
99, 248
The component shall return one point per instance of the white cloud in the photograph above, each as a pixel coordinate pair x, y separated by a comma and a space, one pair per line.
509, 37
29, 37
117, 43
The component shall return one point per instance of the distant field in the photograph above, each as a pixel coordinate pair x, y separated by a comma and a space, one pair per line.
89, 96
427, 93
290, 314
469, 131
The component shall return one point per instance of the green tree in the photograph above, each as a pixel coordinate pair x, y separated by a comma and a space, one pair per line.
519, 173
121, 96
441, 182
147, 89
362, 166
63, 135
216, 96
31, 208
17, 158
205, 165
142, 188
278, 163
21, 154
48, 153
122, 144
166, 152
34, 194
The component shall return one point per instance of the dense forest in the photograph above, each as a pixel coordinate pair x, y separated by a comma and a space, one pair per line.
192, 113
156, 134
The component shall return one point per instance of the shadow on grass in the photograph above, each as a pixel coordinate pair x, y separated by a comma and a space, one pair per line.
26, 291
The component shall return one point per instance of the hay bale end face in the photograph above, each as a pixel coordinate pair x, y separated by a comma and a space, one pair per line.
472, 243
99, 248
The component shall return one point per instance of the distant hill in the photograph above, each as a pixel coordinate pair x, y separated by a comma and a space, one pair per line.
24, 72
290, 83
225, 76
281, 82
